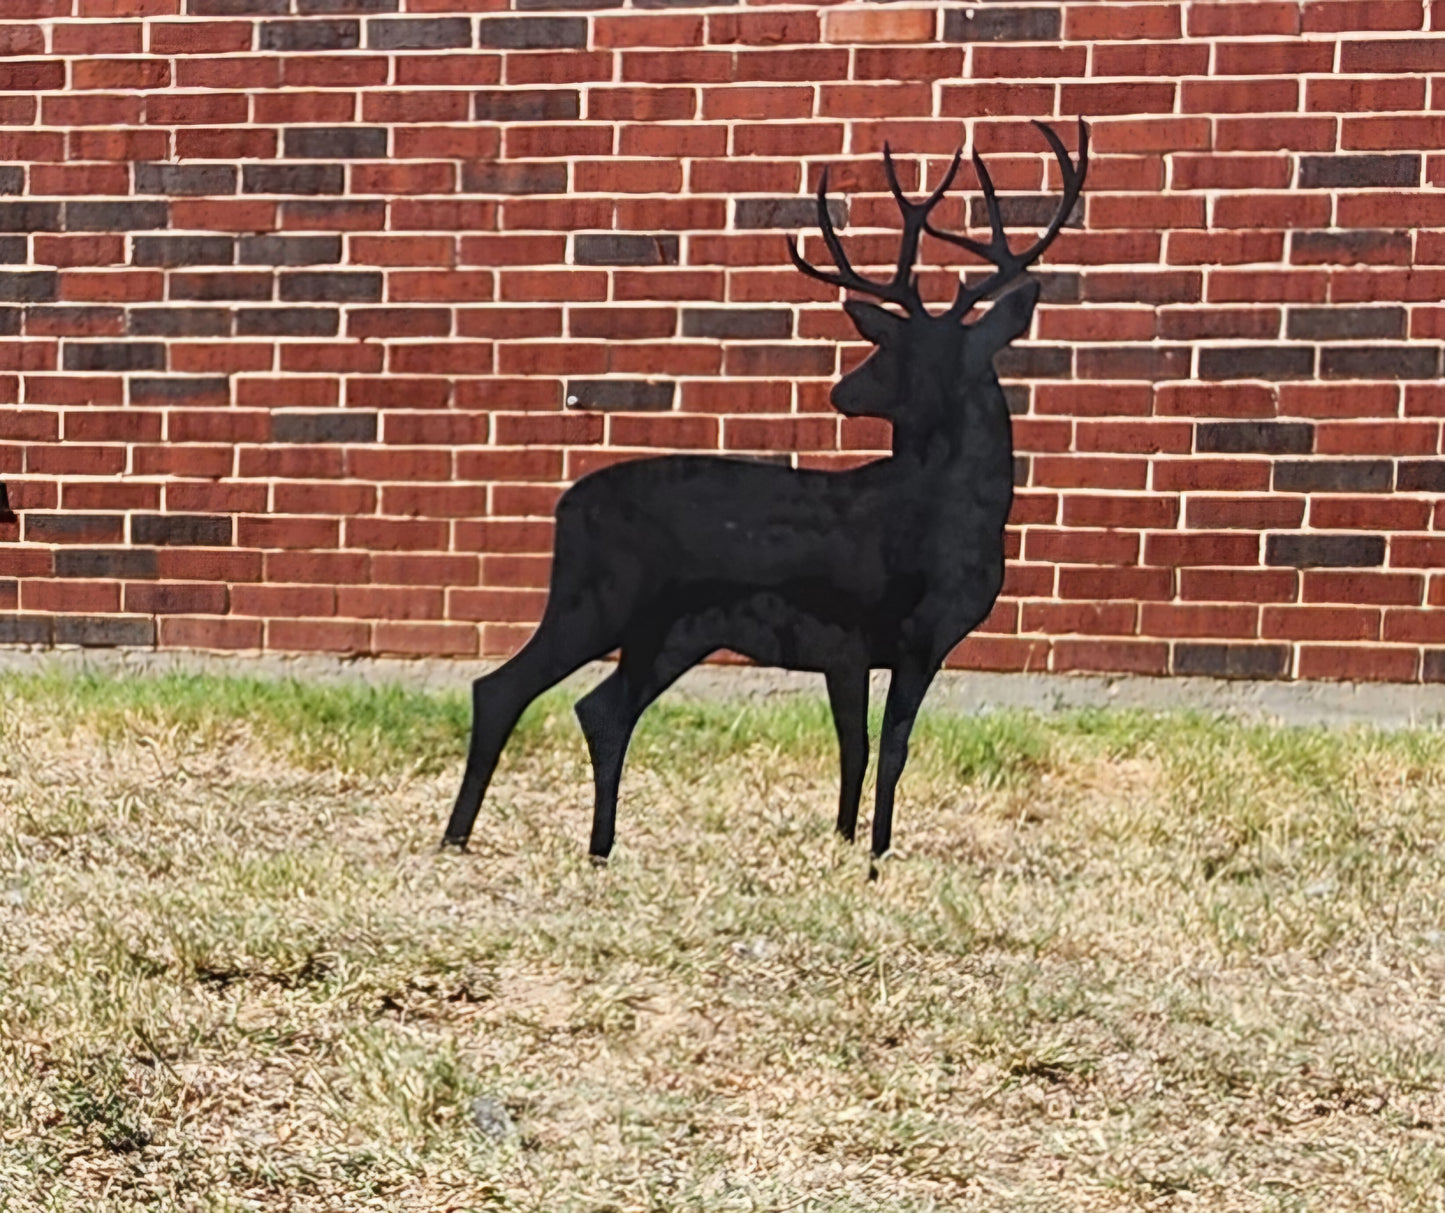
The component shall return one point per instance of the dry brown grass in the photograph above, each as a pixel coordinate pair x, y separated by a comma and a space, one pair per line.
1122, 963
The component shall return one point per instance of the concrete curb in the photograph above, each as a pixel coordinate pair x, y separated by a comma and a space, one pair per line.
1383, 705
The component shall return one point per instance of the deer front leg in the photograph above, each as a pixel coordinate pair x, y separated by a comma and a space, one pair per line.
608, 714
498, 699
848, 697
906, 690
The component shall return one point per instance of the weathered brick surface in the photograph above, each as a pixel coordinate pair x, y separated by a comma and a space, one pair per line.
309, 309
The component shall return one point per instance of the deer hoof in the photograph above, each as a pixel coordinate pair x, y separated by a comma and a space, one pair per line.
598, 861
453, 844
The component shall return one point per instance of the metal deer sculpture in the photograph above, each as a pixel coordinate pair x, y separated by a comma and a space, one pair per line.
887, 565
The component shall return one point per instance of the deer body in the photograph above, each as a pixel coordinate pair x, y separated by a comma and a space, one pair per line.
887, 565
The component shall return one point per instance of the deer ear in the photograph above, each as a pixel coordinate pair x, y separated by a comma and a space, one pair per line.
1008, 318
877, 324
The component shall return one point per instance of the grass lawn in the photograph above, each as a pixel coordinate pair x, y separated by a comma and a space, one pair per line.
1122, 961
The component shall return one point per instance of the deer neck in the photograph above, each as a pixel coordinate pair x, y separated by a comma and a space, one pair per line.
965, 433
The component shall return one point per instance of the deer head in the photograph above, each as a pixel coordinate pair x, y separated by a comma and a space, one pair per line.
926, 362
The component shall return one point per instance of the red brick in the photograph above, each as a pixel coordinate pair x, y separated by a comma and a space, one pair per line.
1173, 59
1179, 620
1370, 514
1075, 546
879, 25
1249, 513
979, 652
435, 68
1085, 23
1231, 17
1358, 663
318, 636
1111, 656
1355, 588
1339, 400
1320, 623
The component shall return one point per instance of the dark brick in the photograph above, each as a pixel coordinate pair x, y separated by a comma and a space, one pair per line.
571, 4
534, 33
184, 250
1256, 362
1434, 667
1362, 245
181, 530
177, 598
104, 631
116, 216
1344, 323
1420, 476
105, 562
682, 3
290, 250
72, 320
288, 322
29, 286
201, 284
636, 395
1325, 551
419, 33
493, 178
334, 215
335, 426
1333, 476
75, 528
14, 250
1025, 210
526, 105
1034, 362
334, 142
25, 629
293, 178
790, 213
10, 320
331, 286
1379, 362
1055, 286
1345, 172
115, 356
178, 322
185, 180
29, 216
310, 35
179, 389
1255, 437
1021, 471
12, 179
1232, 660
754, 322
348, 6
1017, 397
237, 8
978, 23
619, 248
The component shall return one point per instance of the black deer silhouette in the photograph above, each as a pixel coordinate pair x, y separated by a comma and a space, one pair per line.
887, 565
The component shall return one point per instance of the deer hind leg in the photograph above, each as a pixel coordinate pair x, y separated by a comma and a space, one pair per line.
906, 690
608, 714
848, 697
561, 645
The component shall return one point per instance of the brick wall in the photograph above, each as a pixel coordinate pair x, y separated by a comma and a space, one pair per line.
310, 308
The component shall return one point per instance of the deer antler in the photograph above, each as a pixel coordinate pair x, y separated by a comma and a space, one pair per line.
1010, 264
903, 289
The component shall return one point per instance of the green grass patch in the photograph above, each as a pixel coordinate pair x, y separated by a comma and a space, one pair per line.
1122, 960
